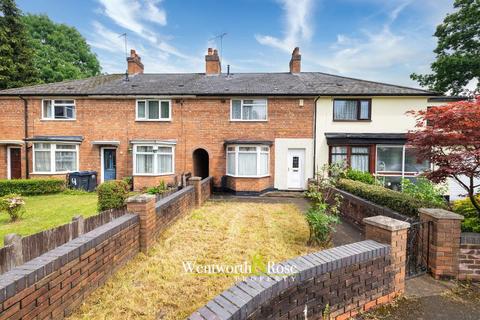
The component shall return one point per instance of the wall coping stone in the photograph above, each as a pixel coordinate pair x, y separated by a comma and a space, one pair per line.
23, 276
171, 197
386, 223
244, 297
195, 178
470, 238
144, 197
440, 214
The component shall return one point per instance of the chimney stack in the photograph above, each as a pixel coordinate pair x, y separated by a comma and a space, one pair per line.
212, 62
296, 61
134, 62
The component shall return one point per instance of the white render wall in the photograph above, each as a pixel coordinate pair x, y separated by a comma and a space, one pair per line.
281, 159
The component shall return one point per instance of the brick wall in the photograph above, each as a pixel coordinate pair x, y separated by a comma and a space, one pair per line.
54, 284
249, 184
196, 123
354, 209
350, 279
469, 261
172, 207
206, 185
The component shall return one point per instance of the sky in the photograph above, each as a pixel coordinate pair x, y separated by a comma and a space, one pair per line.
379, 40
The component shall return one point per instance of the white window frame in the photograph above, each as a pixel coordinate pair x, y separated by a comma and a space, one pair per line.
241, 110
52, 103
402, 173
159, 110
257, 152
155, 160
53, 148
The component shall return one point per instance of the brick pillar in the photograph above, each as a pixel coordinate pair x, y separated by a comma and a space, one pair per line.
144, 206
444, 247
196, 182
394, 233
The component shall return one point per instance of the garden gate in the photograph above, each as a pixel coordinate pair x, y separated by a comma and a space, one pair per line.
418, 248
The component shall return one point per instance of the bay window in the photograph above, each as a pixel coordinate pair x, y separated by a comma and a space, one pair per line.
153, 110
248, 110
248, 161
58, 109
397, 162
153, 160
355, 157
352, 109
55, 158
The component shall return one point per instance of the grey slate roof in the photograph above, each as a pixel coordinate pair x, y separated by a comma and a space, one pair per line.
305, 83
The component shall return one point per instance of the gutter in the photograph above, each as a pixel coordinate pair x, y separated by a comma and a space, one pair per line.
25, 116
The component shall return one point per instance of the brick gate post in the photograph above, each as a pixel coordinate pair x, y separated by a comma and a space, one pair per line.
144, 206
394, 233
196, 182
444, 242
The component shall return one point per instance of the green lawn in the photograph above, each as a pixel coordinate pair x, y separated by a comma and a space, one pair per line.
45, 212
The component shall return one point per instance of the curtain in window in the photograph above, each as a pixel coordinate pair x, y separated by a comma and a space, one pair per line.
164, 163
65, 161
364, 109
231, 163
144, 163
47, 109
165, 112
236, 109
247, 164
345, 110
248, 113
42, 161
359, 158
339, 154
153, 112
141, 109
264, 163
259, 113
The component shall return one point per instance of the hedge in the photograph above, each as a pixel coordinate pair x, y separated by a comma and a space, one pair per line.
397, 201
29, 187
112, 194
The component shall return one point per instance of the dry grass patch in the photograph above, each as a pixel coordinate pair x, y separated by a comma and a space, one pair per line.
155, 286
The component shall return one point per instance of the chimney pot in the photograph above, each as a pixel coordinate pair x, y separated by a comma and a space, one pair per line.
134, 63
212, 62
295, 61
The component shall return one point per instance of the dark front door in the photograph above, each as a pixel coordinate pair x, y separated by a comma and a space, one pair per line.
109, 164
15, 164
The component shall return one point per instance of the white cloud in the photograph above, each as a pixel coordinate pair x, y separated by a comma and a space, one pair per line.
298, 26
154, 14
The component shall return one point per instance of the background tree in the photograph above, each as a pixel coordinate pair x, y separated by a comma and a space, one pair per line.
451, 141
458, 50
16, 56
61, 52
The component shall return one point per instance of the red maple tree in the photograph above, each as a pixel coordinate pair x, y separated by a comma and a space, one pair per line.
449, 137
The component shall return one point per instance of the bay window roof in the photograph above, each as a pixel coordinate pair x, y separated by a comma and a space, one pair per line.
336, 138
71, 139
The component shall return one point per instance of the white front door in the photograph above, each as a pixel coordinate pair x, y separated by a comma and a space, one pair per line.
296, 169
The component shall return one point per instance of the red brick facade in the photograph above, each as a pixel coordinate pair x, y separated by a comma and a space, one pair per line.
196, 123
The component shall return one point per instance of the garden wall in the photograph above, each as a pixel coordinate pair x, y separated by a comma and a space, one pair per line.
206, 185
354, 209
349, 279
469, 261
172, 207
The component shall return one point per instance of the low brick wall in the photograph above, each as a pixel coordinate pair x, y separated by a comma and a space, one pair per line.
354, 209
52, 285
172, 207
349, 279
469, 261
206, 185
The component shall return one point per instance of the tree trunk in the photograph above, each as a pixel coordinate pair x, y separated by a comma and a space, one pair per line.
471, 195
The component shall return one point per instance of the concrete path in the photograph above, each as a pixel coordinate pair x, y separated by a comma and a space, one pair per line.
345, 232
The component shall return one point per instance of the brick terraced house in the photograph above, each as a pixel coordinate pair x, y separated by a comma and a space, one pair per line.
251, 131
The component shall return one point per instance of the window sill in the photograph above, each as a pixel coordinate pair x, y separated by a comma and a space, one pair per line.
232, 120
46, 119
248, 177
153, 120
153, 174
369, 120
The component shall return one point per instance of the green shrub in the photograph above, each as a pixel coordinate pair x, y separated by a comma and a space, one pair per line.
112, 194
397, 201
29, 187
357, 175
161, 188
321, 224
129, 182
465, 207
425, 190
471, 224
14, 205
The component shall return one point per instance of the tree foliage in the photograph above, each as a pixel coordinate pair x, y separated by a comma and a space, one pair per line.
451, 141
458, 50
16, 56
61, 52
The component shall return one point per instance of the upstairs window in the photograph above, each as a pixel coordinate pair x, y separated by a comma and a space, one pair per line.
58, 109
249, 110
153, 110
352, 109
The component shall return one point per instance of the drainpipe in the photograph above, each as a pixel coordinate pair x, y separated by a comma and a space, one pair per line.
315, 134
25, 116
